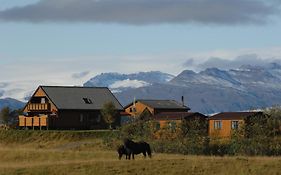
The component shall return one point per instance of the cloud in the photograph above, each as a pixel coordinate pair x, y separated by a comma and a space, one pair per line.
189, 62
143, 12
80, 74
248, 59
128, 84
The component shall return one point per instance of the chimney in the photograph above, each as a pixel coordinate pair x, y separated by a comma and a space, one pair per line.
182, 100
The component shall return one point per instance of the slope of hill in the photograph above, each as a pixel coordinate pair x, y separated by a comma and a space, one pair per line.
11, 103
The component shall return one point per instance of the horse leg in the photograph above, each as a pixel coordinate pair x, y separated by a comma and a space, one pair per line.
144, 154
133, 156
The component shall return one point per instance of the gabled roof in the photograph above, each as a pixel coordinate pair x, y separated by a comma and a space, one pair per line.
177, 115
80, 98
162, 104
232, 115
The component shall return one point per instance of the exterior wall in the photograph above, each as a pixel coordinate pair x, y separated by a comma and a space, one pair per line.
80, 119
165, 123
140, 107
40, 93
225, 130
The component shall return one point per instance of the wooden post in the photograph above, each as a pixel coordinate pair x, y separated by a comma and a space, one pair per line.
40, 123
47, 120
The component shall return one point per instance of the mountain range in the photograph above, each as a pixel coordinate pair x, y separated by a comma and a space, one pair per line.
208, 91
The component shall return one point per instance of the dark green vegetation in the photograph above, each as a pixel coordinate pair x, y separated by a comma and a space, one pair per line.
259, 136
9, 117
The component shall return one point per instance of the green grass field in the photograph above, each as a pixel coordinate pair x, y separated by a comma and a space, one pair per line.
70, 153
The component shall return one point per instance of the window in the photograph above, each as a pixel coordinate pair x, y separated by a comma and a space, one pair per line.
133, 109
217, 124
87, 101
234, 124
43, 100
98, 118
81, 118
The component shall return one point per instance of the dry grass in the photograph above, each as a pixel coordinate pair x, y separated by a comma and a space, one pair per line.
90, 157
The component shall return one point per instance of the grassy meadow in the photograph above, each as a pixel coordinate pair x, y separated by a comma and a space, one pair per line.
71, 152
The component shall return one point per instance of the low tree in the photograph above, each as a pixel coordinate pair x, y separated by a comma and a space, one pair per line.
5, 115
109, 113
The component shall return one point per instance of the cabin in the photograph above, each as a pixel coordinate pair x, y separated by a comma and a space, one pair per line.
173, 119
67, 107
154, 107
223, 124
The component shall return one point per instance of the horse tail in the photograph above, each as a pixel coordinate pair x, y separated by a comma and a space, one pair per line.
148, 150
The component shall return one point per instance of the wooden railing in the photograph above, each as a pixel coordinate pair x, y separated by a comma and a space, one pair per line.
38, 107
36, 121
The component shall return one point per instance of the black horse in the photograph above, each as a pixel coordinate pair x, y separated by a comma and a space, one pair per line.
137, 147
123, 150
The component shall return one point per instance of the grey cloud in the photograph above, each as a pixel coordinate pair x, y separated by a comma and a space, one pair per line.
251, 59
80, 74
142, 12
189, 62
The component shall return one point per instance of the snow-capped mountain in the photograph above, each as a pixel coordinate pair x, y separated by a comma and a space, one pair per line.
215, 90
120, 82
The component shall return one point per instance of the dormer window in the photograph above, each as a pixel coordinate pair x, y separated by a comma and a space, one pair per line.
87, 101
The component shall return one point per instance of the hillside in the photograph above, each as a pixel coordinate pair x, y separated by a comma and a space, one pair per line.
11, 103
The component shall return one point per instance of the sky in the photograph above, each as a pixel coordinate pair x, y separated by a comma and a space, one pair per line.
66, 42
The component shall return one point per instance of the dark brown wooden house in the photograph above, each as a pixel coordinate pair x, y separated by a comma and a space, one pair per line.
63, 107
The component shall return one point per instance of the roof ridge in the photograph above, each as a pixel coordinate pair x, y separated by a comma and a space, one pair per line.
72, 87
154, 100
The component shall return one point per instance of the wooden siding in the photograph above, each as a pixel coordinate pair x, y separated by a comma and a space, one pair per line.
80, 119
225, 130
140, 107
36, 121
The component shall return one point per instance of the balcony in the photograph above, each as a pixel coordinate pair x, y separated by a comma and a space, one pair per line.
38, 107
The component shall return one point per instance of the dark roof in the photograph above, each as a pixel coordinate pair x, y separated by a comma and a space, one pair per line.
80, 98
232, 115
162, 104
177, 115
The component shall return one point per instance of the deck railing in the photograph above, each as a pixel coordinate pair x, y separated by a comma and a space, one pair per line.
38, 106
36, 121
